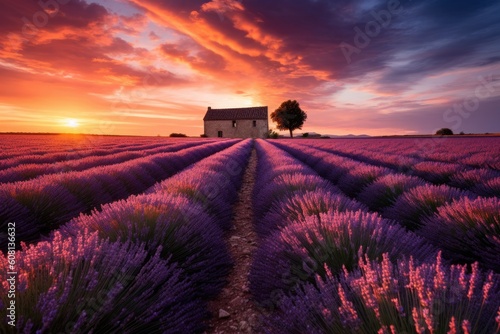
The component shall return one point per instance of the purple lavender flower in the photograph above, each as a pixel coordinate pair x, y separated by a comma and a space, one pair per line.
420, 202
386, 189
82, 162
467, 230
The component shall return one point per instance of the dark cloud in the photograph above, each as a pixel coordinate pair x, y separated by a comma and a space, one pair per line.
48, 15
428, 36
446, 41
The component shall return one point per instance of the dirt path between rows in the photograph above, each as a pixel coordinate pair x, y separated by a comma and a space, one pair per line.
233, 310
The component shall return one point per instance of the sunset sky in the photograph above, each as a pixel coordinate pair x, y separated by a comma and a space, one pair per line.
147, 67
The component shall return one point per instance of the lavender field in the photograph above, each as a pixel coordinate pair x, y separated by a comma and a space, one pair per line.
130, 235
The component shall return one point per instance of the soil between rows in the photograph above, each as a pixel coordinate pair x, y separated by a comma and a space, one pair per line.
235, 298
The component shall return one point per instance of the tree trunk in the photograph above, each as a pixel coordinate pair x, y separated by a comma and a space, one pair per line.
291, 134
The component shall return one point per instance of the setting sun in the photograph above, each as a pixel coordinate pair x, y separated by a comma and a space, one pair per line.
72, 123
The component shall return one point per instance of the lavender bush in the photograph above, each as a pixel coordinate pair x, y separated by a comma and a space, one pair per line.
284, 186
299, 205
334, 168
206, 194
467, 230
281, 175
386, 189
267, 172
39, 207
10, 210
187, 234
393, 298
352, 182
487, 158
436, 172
334, 241
184, 215
469, 179
420, 202
98, 189
29, 171
84, 284
490, 188
51, 161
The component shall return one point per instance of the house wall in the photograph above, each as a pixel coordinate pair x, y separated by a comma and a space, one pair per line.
244, 129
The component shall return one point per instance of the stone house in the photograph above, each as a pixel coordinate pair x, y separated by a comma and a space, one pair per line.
236, 123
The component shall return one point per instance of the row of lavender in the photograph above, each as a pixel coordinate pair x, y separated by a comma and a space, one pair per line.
18, 150
85, 160
40, 205
21, 145
31, 156
148, 263
481, 152
479, 179
325, 264
465, 226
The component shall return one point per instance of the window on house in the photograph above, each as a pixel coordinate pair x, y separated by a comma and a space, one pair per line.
254, 124
234, 124
219, 134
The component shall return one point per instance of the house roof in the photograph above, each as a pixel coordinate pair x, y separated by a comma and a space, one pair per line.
235, 113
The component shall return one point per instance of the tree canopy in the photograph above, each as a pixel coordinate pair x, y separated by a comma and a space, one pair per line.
289, 116
444, 132
177, 135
